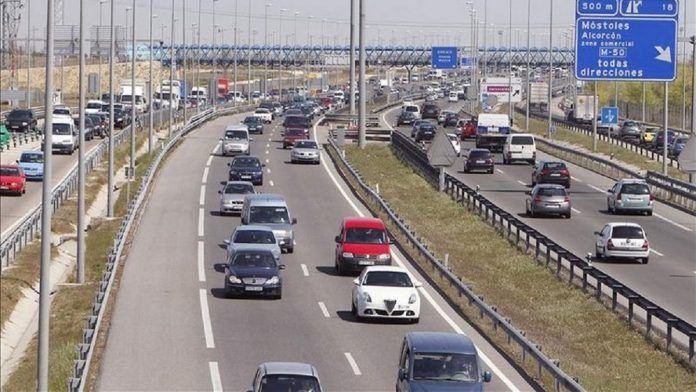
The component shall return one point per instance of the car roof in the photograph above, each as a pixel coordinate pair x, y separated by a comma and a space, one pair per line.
289, 368
237, 127
63, 119
32, 152
440, 342
10, 166
265, 198
361, 222
632, 181
252, 228
547, 185
614, 224
389, 268
239, 182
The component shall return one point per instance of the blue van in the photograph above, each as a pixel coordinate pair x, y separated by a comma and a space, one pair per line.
439, 362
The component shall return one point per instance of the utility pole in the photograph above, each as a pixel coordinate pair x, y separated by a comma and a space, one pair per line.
352, 57
46, 212
133, 110
529, 85
81, 156
548, 106
112, 59
363, 91
172, 64
149, 89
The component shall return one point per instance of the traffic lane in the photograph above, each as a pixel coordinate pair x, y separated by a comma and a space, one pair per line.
506, 376
156, 339
15, 208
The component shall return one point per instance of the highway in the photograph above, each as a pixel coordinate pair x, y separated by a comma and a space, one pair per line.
172, 328
670, 277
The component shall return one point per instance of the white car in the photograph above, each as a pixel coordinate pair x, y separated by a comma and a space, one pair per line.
265, 114
385, 292
454, 139
622, 240
94, 106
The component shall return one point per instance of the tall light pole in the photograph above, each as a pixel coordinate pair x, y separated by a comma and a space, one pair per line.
29, 54
184, 88
485, 34
99, 90
280, 59
548, 107
352, 57
112, 59
214, 94
198, 59
172, 65
81, 155
265, 51
249, 56
134, 112
363, 91
149, 90
128, 10
510, 60
529, 85
46, 210
294, 43
236, 28
684, 70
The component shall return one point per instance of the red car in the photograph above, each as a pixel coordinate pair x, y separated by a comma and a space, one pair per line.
467, 129
362, 242
12, 180
291, 135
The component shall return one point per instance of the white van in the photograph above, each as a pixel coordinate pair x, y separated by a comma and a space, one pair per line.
411, 108
338, 94
519, 147
453, 96
64, 135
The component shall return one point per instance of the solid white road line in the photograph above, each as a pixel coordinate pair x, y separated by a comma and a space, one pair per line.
215, 376
323, 309
215, 149
201, 197
201, 214
425, 294
353, 364
201, 262
656, 252
576, 179
270, 183
205, 314
521, 182
597, 189
210, 160
305, 271
205, 175
500, 171
575, 210
270, 139
672, 222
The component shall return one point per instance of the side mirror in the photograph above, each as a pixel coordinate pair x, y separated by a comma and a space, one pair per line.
609, 190
263, 165
282, 266
220, 192
251, 139
487, 376
597, 233
356, 281
221, 139
226, 242
228, 163
417, 284
294, 221
528, 193
402, 374
390, 241
337, 239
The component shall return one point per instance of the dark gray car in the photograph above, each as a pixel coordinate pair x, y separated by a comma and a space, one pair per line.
630, 130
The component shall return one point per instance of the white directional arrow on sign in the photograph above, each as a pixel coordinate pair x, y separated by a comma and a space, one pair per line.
665, 54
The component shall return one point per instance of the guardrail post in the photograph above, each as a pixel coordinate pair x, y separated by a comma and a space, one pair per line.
692, 336
670, 323
599, 278
614, 294
631, 300
648, 322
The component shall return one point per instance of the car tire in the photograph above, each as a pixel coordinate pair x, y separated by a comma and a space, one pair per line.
609, 209
531, 212
466, 169
567, 216
490, 171
353, 309
279, 295
291, 249
415, 320
293, 161
645, 260
649, 213
597, 254
339, 268
567, 185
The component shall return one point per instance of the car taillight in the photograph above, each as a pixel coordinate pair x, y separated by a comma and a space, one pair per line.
544, 172
618, 197
652, 197
565, 172
566, 199
645, 245
537, 199
610, 245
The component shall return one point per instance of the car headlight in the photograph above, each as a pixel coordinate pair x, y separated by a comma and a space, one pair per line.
273, 280
13, 184
347, 255
384, 256
234, 279
24, 124
413, 298
367, 297
234, 172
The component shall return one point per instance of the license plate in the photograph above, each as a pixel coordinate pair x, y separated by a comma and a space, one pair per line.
253, 288
366, 262
555, 174
246, 177
14, 126
480, 162
4, 187
552, 205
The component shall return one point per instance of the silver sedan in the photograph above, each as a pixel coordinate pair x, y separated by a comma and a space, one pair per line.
548, 199
305, 151
232, 196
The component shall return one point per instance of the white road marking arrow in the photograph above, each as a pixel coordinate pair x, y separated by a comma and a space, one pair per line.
664, 54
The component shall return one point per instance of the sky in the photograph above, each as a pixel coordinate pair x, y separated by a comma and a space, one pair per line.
389, 22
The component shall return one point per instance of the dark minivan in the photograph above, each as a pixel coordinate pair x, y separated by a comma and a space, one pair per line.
439, 361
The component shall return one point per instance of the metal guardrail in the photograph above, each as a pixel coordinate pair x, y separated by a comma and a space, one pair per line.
550, 366
672, 191
371, 134
548, 251
85, 349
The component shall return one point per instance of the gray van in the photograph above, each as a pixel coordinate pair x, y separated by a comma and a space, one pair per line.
271, 210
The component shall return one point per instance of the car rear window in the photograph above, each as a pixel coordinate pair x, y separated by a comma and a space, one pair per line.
554, 165
479, 154
635, 189
19, 114
551, 192
522, 140
632, 232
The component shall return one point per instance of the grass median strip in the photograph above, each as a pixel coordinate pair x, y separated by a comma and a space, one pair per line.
590, 342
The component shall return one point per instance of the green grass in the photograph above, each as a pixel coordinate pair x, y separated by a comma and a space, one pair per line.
620, 154
590, 342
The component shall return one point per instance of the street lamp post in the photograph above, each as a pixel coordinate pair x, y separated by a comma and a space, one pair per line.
112, 59
149, 90
265, 51
363, 92
294, 43
352, 57
81, 155
485, 34
510, 60
548, 131
529, 85
198, 60
214, 94
134, 113
249, 55
99, 90
280, 59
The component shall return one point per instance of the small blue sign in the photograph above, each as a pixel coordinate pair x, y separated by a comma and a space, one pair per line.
631, 40
610, 115
444, 57
466, 62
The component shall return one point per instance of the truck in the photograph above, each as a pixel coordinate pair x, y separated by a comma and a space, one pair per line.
128, 91
492, 130
583, 109
169, 89
223, 88
200, 94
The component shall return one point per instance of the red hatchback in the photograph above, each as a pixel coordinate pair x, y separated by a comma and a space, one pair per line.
12, 180
361, 242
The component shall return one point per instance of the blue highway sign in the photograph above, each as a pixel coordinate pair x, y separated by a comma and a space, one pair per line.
632, 40
610, 115
444, 57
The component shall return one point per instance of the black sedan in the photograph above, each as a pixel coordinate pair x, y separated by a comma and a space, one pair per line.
479, 159
426, 131
254, 124
254, 271
246, 169
21, 120
406, 118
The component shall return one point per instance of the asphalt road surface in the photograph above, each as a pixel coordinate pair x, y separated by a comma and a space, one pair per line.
172, 327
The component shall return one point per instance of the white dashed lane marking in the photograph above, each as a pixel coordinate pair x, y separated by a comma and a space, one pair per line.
270, 183
205, 175
201, 198
597, 189
575, 210
521, 183
656, 252
305, 271
324, 311
201, 262
201, 214
353, 364
215, 376
500, 171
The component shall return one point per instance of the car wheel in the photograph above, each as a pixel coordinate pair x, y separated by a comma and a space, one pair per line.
291, 249
339, 268
649, 213
567, 216
531, 212
645, 260
490, 171
279, 295
466, 169
353, 309
597, 254
567, 185
293, 161
609, 209
415, 320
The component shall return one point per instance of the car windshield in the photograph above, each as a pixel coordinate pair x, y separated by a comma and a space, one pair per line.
554, 165
9, 171
235, 135
268, 215
387, 278
635, 189
366, 236
245, 162
294, 132
681, 140
445, 367
522, 140
19, 114
254, 259
61, 129
94, 105
550, 192
254, 237
289, 383
31, 157
306, 144
632, 232
239, 188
